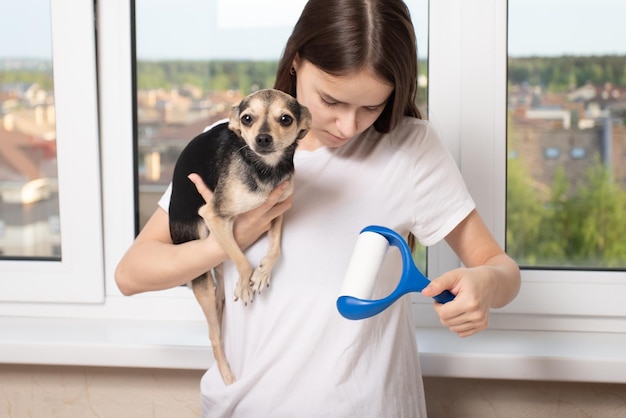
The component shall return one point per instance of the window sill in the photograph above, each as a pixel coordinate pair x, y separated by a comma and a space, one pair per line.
497, 354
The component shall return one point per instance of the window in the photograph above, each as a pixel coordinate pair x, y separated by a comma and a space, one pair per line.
468, 103
52, 236
565, 92
28, 178
578, 153
552, 153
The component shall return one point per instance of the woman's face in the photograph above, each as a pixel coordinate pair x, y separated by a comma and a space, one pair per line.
341, 107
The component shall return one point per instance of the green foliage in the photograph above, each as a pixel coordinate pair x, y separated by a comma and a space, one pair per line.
584, 227
561, 73
419, 257
220, 75
524, 213
42, 78
602, 221
206, 75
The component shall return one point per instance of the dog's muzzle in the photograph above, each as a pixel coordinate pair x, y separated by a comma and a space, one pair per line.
264, 143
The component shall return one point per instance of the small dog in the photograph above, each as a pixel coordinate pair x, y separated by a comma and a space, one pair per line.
241, 161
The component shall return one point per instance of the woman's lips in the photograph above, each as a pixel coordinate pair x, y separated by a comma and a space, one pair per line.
337, 139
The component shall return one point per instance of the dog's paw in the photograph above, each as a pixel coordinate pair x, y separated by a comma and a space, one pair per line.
244, 292
260, 279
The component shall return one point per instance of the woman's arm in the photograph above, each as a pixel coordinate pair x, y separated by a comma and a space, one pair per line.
153, 262
490, 278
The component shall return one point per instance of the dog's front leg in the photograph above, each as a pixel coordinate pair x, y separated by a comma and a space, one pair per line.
262, 274
222, 229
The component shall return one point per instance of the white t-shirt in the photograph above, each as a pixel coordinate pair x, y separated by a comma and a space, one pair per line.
293, 354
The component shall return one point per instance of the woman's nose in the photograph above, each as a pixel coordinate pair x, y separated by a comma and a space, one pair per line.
347, 124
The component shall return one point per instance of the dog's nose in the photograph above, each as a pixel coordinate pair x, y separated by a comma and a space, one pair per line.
264, 140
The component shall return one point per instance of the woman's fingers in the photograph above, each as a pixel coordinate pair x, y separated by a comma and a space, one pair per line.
252, 224
204, 191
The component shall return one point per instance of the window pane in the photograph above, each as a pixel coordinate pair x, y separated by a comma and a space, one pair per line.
29, 207
44, 128
213, 54
566, 174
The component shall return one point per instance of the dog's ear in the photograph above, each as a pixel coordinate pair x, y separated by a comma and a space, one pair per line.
305, 122
302, 133
233, 120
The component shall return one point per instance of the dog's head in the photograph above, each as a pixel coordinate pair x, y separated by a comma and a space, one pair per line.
270, 121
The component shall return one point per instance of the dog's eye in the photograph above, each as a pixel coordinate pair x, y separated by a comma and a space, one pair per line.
286, 120
246, 120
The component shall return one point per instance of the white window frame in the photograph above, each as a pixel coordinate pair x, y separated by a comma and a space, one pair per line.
78, 277
545, 334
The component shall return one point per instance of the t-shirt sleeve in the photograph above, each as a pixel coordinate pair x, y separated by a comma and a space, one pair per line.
441, 199
164, 201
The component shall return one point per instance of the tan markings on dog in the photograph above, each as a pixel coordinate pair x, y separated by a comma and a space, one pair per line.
203, 231
238, 198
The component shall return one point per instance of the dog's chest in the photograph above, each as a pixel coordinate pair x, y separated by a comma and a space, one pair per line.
238, 198
243, 191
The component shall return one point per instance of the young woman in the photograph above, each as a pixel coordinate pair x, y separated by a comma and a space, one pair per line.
369, 158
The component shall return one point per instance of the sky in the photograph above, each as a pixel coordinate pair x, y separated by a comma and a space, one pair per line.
567, 27
215, 29
245, 28
25, 29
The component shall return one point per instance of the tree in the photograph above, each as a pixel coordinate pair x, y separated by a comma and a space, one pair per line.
601, 218
524, 214
553, 241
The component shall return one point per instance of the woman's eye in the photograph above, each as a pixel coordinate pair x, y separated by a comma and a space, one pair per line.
327, 103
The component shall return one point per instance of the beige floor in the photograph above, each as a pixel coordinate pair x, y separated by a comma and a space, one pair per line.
452, 398
85, 392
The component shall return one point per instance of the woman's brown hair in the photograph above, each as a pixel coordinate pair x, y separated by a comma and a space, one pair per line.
343, 36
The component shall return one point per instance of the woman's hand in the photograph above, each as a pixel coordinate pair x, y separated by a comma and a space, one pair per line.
249, 226
468, 313
491, 279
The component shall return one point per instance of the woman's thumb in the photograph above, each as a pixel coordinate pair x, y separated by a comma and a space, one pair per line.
438, 285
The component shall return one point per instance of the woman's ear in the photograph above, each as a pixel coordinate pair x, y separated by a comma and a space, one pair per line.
295, 64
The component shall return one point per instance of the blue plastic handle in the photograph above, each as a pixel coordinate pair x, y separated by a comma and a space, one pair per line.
412, 280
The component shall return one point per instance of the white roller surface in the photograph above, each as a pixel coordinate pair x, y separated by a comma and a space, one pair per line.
369, 253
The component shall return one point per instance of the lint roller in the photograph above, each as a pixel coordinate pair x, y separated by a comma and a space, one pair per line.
369, 252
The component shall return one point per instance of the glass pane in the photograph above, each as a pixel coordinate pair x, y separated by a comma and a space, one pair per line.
29, 208
566, 174
212, 54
